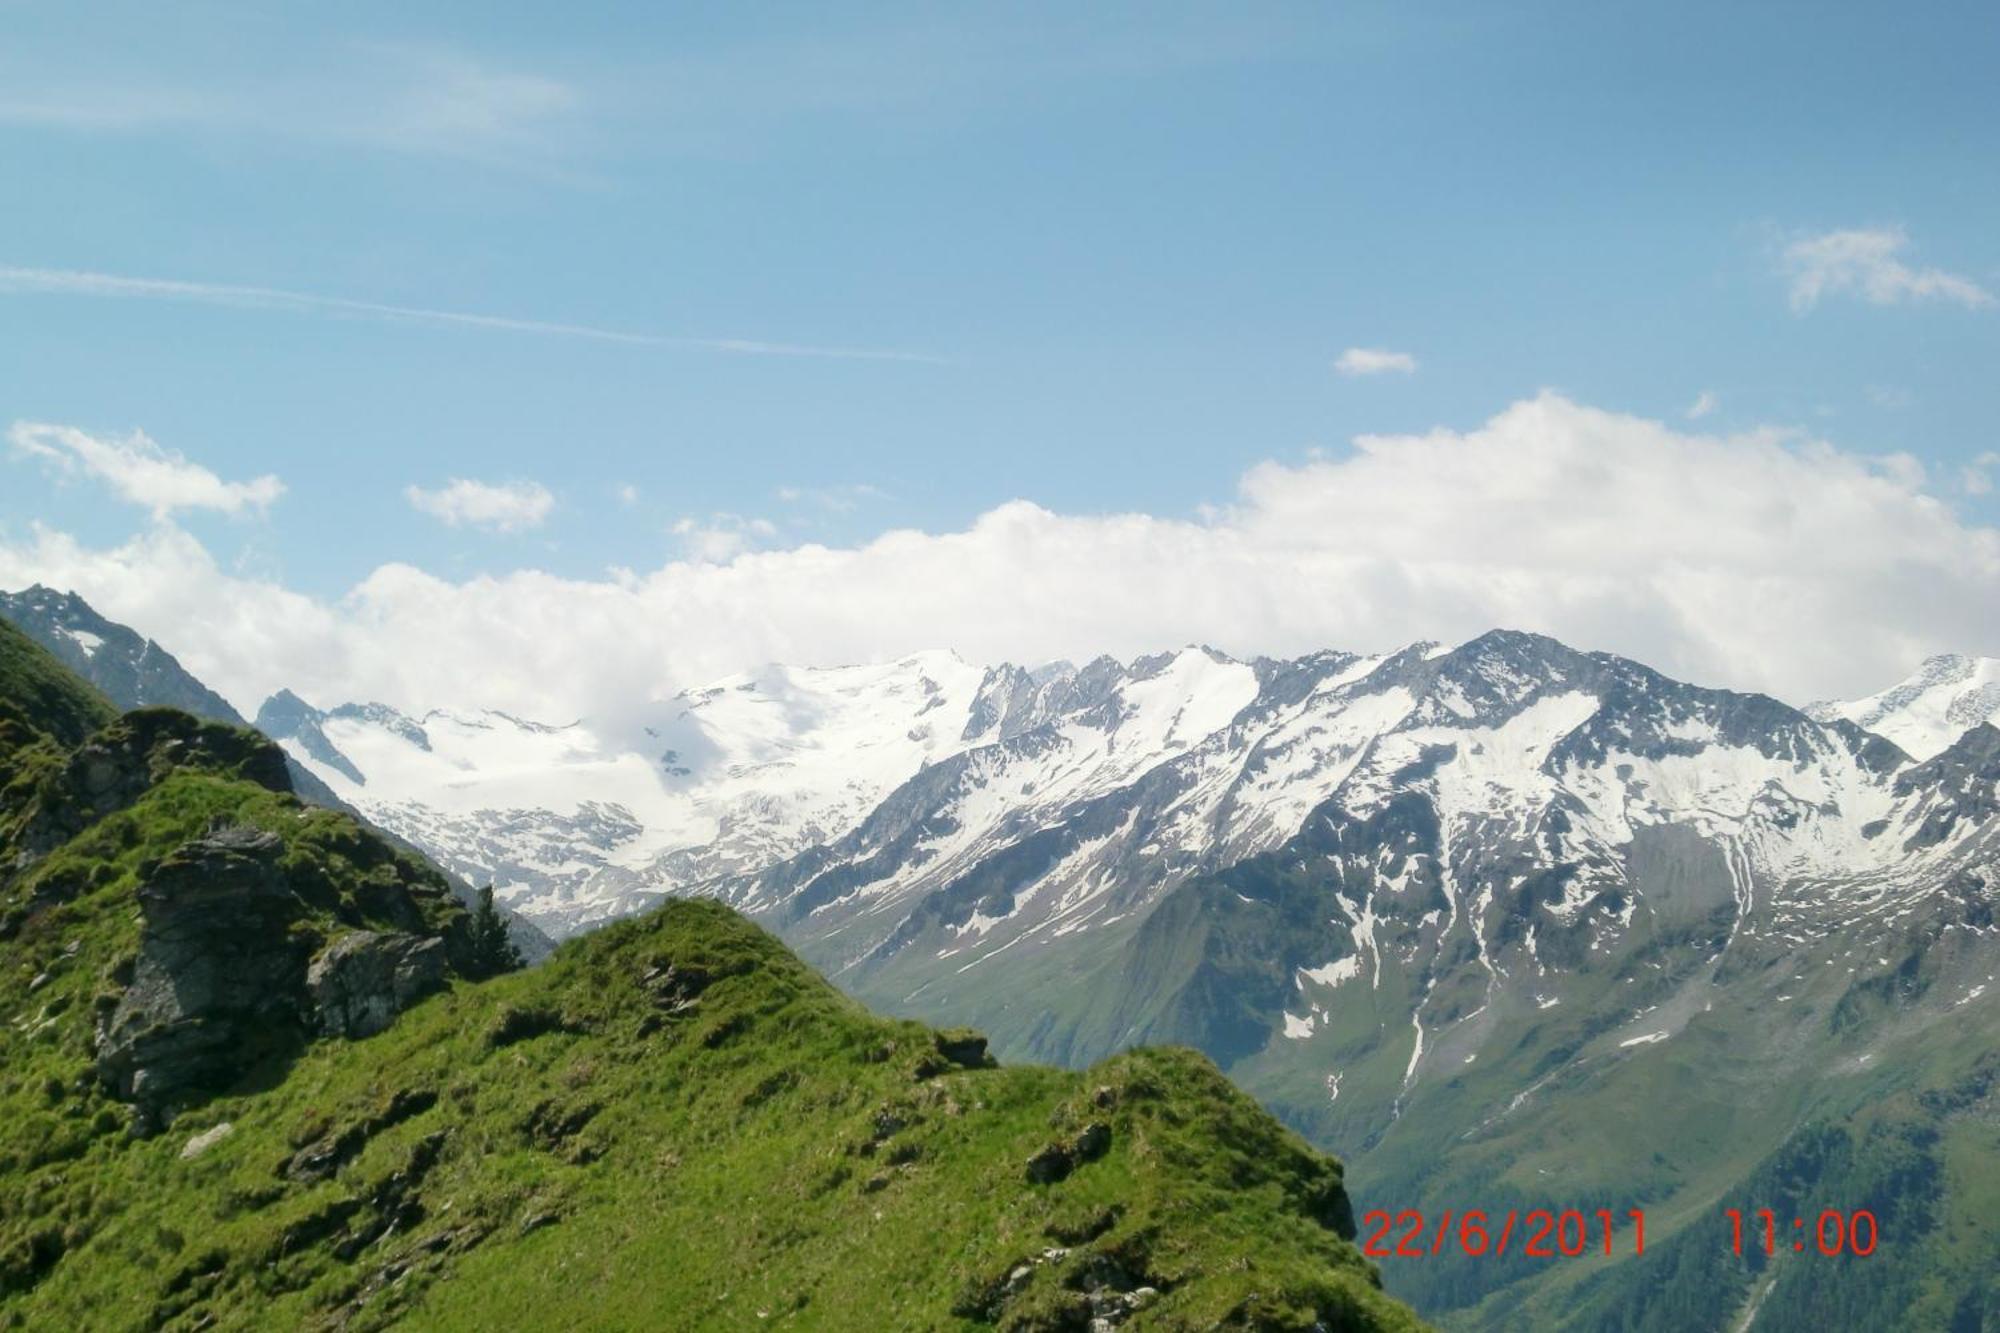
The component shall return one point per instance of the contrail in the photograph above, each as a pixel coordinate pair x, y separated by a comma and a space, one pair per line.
79, 282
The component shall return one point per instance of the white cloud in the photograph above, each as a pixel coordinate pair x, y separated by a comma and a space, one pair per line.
1976, 478
446, 103
510, 507
843, 499
1889, 397
1374, 361
77, 282
140, 471
1704, 403
708, 99
722, 537
1762, 560
1863, 262
389, 98
627, 493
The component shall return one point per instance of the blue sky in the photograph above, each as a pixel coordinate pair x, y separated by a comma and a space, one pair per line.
1112, 254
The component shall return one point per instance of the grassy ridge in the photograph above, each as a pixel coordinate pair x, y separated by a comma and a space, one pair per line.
562, 1147
674, 1123
43, 698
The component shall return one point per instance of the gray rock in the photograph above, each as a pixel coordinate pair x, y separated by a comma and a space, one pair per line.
205, 1140
215, 987
363, 980
226, 976
1093, 1141
1051, 1164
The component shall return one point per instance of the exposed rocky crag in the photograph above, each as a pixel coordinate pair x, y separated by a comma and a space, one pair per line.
234, 968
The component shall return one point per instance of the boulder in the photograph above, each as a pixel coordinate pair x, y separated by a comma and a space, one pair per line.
1093, 1141
215, 987
205, 1140
230, 973
964, 1047
1051, 1164
364, 979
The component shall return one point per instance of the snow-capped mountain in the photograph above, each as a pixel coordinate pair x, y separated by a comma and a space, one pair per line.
1499, 810
1930, 710
930, 800
575, 826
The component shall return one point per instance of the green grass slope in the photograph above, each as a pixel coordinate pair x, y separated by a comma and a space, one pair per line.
673, 1123
41, 697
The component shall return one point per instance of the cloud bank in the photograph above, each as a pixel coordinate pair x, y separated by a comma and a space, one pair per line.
1761, 560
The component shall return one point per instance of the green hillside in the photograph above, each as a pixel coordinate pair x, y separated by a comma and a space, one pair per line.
245, 1082
40, 699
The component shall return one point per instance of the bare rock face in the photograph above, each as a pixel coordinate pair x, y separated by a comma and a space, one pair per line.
363, 980
216, 986
230, 974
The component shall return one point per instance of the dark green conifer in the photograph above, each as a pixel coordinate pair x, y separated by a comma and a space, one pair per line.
492, 951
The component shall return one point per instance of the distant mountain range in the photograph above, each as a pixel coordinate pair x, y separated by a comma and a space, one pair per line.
1506, 924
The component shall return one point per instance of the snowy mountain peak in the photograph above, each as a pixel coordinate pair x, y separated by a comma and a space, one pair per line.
1931, 709
300, 728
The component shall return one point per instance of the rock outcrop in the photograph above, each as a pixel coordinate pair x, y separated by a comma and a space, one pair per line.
230, 973
216, 984
363, 980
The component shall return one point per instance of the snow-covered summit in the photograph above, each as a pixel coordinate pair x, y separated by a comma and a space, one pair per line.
1924, 714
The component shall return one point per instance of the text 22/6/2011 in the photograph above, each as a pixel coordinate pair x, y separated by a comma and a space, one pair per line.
1540, 1233
1546, 1233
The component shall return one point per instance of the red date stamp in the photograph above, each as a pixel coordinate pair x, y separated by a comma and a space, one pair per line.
1539, 1233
